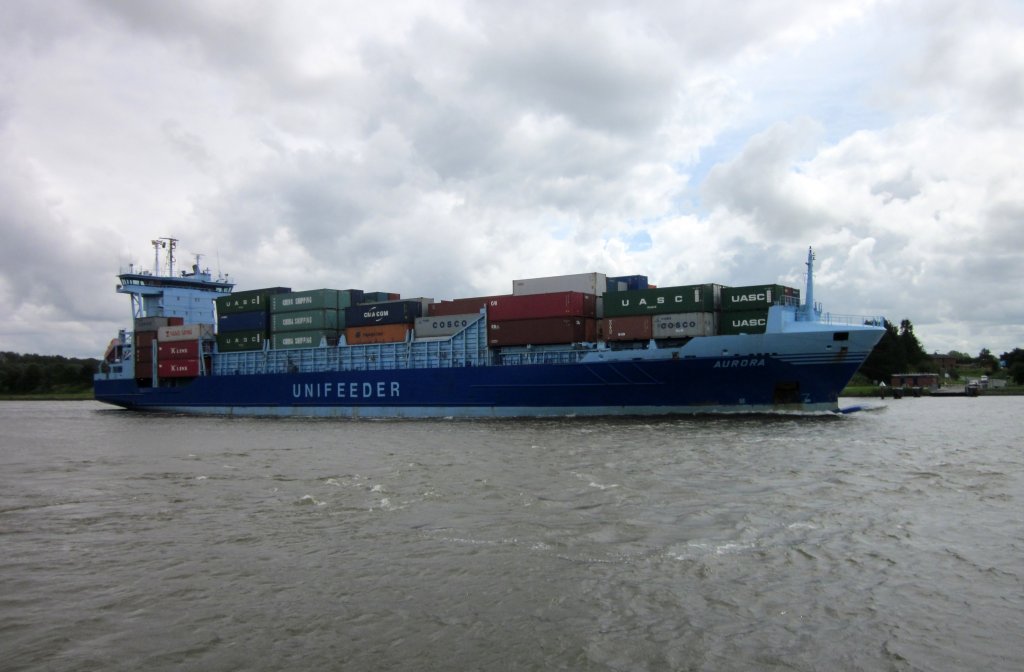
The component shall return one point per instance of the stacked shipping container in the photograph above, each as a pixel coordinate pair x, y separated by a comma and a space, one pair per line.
745, 309
243, 319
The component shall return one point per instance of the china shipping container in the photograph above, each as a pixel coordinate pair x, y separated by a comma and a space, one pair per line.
377, 333
685, 325
443, 325
542, 331
180, 368
239, 341
252, 320
313, 338
536, 306
178, 350
653, 301
758, 296
243, 302
185, 332
743, 321
461, 306
391, 312
627, 328
315, 299
584, 283
304, 320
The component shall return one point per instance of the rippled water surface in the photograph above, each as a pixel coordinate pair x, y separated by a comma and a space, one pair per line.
884, 540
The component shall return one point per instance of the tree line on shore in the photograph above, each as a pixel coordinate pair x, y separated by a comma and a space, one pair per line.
44, 374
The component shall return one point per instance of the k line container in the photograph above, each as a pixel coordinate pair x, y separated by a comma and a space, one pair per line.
305, 339
178, 368
178, 350
444, 325
537, 306
683, 299
185, 332
242, 302
627, 328
743, 321
541, 331
304, 320
584, 283
685, 325
377, 333
758, 296
239, 341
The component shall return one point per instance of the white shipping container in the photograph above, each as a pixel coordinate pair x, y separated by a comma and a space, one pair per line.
444, 325
185, 332
684, 325
585, 283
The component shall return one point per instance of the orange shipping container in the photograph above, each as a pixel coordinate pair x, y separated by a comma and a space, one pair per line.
378, 333
627, 328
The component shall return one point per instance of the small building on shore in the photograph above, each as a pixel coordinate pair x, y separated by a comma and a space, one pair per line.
928, 381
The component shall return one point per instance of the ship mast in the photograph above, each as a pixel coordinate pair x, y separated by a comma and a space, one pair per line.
809, 310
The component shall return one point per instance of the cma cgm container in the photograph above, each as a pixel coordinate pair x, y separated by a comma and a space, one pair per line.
685, 325
251, 320
758, 296
313, 338
185, 332
391, 312
683, 299
542, 331
304, 320
238, 341
242, 302
460, 306
178, 350
377, 333
627, 328
443, 325
536, 306
584, 283
743, 321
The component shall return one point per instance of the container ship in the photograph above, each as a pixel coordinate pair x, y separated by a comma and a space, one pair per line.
586, 344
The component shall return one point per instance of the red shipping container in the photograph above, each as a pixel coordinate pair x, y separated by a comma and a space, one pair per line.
460, 306
175, 321
627, 328
536, 306
177, 350
542, 331
143, 344
178, 368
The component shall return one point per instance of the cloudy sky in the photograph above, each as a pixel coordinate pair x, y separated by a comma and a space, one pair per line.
444, 149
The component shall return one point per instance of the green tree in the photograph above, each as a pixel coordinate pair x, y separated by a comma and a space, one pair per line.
988, 361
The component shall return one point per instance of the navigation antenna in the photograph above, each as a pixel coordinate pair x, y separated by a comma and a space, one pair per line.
164, 243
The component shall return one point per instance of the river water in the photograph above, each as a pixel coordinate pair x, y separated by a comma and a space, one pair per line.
891, 539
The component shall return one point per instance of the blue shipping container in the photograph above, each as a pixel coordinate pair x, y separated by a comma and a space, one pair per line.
252, 320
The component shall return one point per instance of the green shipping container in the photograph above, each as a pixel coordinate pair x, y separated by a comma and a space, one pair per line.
685, 299
243, 302
743, 322
239, 341
305, 339
758, 296
306, 320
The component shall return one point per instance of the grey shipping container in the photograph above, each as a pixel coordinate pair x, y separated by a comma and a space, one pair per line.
444, 325
743, 321
584, 283
683, 299
685, 325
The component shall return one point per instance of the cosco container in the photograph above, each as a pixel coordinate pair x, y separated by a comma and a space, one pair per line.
178, 368
391, 312
252, 320
537, 306
304, 320
238, 341
584, 283
443, 325
653, 301
241, 302
627, 328
542, 331
460, 306
178, 350
377, 333
685, 325
306, 339
758, 296
185, 332
743, 321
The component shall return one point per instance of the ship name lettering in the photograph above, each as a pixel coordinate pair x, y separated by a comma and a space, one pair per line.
347, 390
739, 363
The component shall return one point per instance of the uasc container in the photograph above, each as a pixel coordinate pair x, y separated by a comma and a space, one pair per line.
239, 341
744, 321
254, 299
652, 301
758, 296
